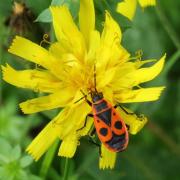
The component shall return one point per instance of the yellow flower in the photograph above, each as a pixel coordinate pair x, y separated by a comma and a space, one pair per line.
128, 7
67, 67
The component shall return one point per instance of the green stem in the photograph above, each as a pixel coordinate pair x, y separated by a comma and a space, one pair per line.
48, 160
167, 26
171, 61
66, 168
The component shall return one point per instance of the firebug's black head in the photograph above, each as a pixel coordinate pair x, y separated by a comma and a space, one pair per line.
96, 96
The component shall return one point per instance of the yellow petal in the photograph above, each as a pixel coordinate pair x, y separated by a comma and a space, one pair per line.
139, 95
149, 73
43, 141
68, 59
35, 53
134, 122
60, 98
48, 135
122, 79
127, 8
67, 32
145, 3
110, 37
108, 158
111, 32
108, 94
87, 19
106, 77
93, 44
41, 81
112, 57
119, 56
133, 77
75, 119
57, 50
68, 146
62, 20
85, 131
140, 63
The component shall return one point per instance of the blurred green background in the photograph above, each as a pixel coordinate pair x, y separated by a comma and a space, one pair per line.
152, 154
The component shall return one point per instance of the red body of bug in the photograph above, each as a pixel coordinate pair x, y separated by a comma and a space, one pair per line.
110, 127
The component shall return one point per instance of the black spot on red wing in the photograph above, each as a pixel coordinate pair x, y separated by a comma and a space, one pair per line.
114, 113
118, 125
117, 142
103, 131
105, 116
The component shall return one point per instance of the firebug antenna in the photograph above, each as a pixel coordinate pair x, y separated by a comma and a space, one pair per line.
84, 97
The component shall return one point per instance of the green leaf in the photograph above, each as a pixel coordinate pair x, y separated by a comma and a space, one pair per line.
15, 153
26, 161
3, 160
21, 175
44, 16
5, 147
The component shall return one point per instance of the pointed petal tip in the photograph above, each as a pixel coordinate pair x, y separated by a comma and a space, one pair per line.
7, 72
127, 8
55, 9
21, 107
146, 3
163, 57
161, 89
161, 61
108, 159
3, 71
14, 43
33, 155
